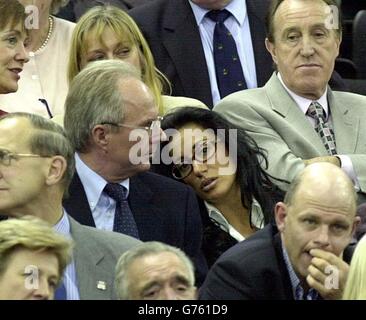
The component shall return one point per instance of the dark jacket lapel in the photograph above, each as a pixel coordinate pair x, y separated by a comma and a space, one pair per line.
146, 215
77, 205
263, 61
182, 40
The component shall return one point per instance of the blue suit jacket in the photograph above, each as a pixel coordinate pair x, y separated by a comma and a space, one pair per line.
164, 210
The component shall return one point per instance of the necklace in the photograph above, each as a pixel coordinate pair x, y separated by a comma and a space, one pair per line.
50, 30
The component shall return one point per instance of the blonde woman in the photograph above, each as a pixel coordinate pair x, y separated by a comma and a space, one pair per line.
107, 32
43, 85
356, 282
32, 259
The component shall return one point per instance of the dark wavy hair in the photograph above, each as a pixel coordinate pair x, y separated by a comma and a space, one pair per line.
254, 182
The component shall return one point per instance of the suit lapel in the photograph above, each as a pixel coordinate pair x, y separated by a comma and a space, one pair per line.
77, 204
282, 103
263, 61
344, 121
146, 214
87, 256
183, 42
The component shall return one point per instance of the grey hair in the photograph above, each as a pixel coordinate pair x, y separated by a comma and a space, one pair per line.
94, 98
57, 5
48, 139
145, 249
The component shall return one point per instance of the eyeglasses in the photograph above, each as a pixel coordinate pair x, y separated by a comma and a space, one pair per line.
202, 152
154, 127
6, 156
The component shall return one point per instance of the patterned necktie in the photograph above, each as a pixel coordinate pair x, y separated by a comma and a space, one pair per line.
60, 293
325, 132
124, 221
229, 73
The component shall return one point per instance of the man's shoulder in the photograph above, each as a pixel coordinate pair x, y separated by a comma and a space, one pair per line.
357, 99
255, 251
244, 100
154, 9
101, 238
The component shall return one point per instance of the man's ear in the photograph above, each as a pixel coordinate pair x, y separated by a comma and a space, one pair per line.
356, 223
271, 48
280, 215
57, 168
100, 135
195, 293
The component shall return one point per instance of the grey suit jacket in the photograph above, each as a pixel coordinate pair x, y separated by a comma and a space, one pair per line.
277, 124
96, 253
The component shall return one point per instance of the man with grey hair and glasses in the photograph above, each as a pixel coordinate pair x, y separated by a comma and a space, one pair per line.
112, 121
36, 167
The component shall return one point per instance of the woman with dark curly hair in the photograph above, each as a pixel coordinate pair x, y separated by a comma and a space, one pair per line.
223, 165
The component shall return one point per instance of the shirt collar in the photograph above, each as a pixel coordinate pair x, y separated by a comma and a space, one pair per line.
257, 219
297, 289
93, 183
304, 103
63, 226
237, 8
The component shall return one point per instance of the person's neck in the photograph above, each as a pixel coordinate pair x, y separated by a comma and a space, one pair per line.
235, 213
100, 165
49, 210
37, 37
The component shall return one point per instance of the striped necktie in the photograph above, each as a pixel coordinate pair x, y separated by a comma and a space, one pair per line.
322, 127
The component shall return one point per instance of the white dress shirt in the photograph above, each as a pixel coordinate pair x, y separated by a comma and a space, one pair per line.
238, 25
257, 219
101, 205
69, 277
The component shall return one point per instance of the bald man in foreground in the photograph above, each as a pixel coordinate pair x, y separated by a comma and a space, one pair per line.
301, 258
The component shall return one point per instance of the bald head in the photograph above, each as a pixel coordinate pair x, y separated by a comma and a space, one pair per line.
326, 183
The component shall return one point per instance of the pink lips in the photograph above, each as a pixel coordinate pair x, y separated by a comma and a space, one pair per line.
16, 72
208, 184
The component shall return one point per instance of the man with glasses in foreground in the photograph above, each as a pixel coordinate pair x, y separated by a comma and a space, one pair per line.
112, 121
36, 167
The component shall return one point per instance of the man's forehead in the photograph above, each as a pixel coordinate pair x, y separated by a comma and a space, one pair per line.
298, 11
308, 203
14, 132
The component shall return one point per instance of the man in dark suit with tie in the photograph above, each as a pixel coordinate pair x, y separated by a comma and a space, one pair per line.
180, 36
110, 115
301, 257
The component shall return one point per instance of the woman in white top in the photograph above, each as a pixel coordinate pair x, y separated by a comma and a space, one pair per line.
223, 166
43, 85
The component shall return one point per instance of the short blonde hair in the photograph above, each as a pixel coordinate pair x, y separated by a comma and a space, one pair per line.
96, 20
33, 234
356, 282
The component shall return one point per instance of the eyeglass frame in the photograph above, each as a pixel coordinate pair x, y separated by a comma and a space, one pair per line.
175, 166
149, 129
13, 156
